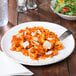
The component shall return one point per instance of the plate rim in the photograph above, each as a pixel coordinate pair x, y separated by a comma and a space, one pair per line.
18, 61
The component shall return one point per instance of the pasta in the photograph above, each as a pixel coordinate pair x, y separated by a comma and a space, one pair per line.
36, 42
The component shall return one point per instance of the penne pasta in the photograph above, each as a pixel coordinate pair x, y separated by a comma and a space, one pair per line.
36, 42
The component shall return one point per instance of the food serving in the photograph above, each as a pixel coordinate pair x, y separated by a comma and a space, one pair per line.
66, 7
36, 42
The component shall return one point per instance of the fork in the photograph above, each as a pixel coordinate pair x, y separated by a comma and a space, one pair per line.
66, 34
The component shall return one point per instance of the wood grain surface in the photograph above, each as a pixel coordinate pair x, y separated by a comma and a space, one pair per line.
43, 12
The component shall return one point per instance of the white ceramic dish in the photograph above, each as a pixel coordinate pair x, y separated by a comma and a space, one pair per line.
68, 43
67, 17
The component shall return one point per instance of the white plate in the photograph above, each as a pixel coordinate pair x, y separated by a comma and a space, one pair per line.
68, 43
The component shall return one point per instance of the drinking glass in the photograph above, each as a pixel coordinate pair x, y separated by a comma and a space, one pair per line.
3, 12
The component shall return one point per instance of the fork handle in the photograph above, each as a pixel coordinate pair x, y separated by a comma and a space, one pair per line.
66, 34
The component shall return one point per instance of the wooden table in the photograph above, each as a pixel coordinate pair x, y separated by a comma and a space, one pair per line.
66, 67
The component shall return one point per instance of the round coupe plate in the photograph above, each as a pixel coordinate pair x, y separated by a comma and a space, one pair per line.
68, 43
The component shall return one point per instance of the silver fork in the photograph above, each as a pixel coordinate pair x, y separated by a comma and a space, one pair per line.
66, 34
